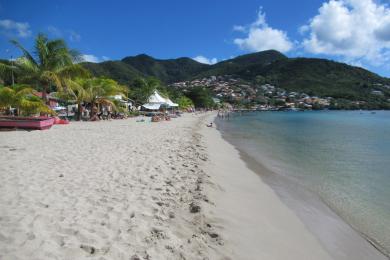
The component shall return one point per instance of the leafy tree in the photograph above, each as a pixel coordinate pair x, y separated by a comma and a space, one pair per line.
6, 72
95, 91
260, 80
50, 63
184, 102
143, 88
201, 97
23, 99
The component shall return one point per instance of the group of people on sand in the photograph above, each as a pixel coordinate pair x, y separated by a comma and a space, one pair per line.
108, 116
163, 117
104, 113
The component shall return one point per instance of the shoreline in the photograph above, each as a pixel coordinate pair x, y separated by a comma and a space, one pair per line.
339, 239
256, 224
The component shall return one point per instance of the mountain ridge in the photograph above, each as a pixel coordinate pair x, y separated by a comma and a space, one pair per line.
317, 76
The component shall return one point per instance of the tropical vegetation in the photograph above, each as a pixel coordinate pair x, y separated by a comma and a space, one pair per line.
23, 99
53, 66
184, 102
201, 97
142, 88
93, 92
49, 65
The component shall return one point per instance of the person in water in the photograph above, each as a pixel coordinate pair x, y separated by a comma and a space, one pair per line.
210, 125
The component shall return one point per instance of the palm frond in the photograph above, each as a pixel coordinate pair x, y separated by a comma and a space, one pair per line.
33, 105
49, 77
23, 87
41, 50
25, 91
6, 70
7, 96
26, 66
75, 89
73, 71
58, 54
76, 56
26, 54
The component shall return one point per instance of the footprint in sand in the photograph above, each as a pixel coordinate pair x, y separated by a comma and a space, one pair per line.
89, 249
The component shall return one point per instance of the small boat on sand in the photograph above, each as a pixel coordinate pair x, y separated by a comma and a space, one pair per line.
59, 121
31, 123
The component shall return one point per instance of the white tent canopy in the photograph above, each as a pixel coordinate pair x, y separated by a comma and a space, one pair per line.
156, 98
170, 103
155, 101
151, 106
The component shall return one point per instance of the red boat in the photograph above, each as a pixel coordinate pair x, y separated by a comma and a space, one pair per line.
33, 123
59, 121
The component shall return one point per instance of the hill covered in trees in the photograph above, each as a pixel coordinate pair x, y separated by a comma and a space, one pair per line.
314, 76
167, 71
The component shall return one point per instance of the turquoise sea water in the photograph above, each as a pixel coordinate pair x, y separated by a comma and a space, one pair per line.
342, 156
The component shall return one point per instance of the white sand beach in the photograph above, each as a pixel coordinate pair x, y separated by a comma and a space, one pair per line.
139, 190
103, 190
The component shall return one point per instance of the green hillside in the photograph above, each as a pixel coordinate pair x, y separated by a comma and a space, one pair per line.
237, 65
166, 70
117, 70
313, 76
317, 77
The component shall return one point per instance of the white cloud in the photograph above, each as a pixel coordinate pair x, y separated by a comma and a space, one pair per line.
12, 28
262, 37
90, 58
93, 58
54, 31
239, 28
356, 30
74, 37
203, 59
303, 29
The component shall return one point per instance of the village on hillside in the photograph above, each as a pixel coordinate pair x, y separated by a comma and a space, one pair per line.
263, 97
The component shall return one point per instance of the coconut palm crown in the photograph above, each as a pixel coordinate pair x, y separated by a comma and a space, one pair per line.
23, 98
93, 91
50, 63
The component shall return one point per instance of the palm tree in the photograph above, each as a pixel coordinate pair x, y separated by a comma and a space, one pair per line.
7, 69
95, 91
23, 99
75, 93
100, 91
144, 88
50, 64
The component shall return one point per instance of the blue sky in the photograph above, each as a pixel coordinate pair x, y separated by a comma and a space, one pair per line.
352, 31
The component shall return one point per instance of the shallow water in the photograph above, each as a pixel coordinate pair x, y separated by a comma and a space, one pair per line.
343, 156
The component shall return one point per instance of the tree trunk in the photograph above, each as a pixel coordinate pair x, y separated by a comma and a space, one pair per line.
44, 93
79, 111
94, 111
